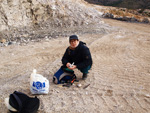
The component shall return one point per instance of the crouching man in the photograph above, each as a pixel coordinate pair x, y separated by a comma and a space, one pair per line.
77, 55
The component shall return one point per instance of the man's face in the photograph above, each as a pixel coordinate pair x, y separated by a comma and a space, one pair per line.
74, 43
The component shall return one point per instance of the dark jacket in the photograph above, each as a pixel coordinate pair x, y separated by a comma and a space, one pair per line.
81, 56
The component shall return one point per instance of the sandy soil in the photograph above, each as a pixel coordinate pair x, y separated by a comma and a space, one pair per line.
119, 78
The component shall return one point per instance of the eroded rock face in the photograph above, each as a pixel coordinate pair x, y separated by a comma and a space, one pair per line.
125, 15
25, 15
14, 13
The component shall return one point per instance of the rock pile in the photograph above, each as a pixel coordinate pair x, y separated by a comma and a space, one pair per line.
39, 18
125, 15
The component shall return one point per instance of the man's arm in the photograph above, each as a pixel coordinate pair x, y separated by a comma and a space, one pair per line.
87, 59
65, 58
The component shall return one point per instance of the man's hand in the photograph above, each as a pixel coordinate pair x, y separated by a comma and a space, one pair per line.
70, 66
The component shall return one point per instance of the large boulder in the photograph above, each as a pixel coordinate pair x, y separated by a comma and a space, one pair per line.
145, 20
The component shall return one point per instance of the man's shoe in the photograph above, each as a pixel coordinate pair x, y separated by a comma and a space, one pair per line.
84, 76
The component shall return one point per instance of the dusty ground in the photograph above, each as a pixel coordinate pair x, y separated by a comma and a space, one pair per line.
119, 78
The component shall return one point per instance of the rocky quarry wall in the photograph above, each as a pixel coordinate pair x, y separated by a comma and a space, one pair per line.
37, 18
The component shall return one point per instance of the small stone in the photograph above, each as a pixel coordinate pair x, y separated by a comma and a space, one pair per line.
86, 93
3, 40
79, 85
9, 43
6, 44
147, 95
145, 20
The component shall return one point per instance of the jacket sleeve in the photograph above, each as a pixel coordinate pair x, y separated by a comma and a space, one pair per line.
87, 59
65, 57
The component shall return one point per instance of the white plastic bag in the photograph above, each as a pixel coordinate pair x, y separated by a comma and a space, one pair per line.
38, 84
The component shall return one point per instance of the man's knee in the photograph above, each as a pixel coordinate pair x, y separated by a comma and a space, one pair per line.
86, 70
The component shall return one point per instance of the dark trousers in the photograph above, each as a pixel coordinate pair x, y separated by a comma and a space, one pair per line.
84, 70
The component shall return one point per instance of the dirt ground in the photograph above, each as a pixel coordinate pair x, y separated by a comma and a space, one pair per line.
119, 78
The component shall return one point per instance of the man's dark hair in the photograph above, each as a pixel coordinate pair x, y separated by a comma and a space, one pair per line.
73, 37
